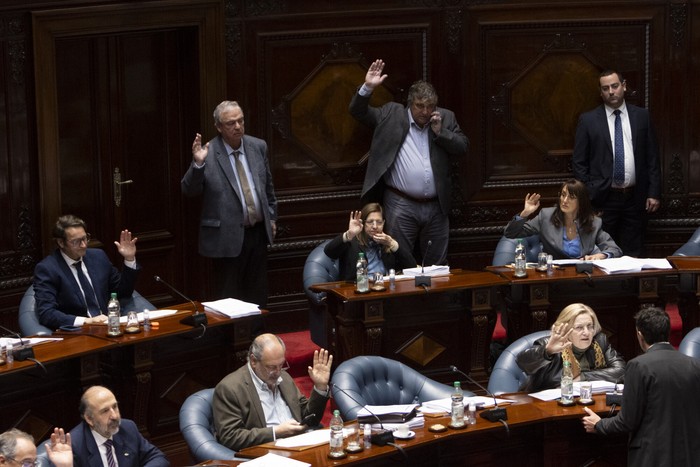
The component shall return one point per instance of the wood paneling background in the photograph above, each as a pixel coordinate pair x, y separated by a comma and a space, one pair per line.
516, 73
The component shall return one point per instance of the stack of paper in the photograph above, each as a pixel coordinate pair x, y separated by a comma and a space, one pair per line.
232, 308
629, 264
387, 413
428, 271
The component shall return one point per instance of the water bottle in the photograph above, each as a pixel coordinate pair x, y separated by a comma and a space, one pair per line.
362, 277
336, 444
457, 406
113, 313
9, 355
471, 413
567, 384
392, 279
520, 260
367, 435
146, 320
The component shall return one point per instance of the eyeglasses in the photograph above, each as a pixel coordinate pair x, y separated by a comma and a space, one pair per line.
580, 329
563, 195
79, 241
374, 223
25, 463
277, 368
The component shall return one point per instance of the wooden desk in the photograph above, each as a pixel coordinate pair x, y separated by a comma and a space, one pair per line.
688, 268
534, 302
540, 434
450, 323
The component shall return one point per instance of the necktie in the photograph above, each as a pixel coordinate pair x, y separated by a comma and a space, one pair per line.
245, 186
110, 456
93, 308
619, 168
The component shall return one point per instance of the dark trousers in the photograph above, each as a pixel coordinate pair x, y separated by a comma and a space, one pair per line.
625, 221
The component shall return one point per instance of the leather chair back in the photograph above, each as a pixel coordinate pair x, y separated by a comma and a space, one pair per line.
29, 319
505, 250
319, 268
197, 427
507, 375
373, 380
691, 247
690, 344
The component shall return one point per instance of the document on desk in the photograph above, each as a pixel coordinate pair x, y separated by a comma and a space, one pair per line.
445, 405
275, 460
599, 387
232, 307
308, 439
432, 271
29, 341
152, 315
630, 264
400, 413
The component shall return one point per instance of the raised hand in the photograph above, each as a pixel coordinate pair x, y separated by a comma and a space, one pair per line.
127, 245
559, 340
374, 76
355, 224
59, 450
199, 152
320, 372
532, 203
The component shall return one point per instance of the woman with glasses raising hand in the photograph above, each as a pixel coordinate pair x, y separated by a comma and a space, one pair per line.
366, 234
577, 338
570, 229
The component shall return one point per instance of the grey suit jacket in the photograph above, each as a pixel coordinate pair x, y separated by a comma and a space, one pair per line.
390, 123
593, 242
658, 403
221, 225
593, 155
238, 414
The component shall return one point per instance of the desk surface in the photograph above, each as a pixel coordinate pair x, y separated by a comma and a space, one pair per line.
525, 413
568, 273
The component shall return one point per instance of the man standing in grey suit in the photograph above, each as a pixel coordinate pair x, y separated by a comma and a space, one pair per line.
409, 163
239, 206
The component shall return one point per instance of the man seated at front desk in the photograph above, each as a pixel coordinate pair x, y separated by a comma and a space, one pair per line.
259, 402
72, 285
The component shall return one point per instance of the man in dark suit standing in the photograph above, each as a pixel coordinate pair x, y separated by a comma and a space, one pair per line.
239, 206
72, 285
103, 437
616, 155
660, 396
408, 171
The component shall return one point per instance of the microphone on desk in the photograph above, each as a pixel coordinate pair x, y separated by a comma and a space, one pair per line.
196, 319
379, 438
423, 280
496, 414
24, 351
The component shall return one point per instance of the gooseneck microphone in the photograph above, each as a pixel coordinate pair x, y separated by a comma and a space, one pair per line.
24, 351
423, 280
497, 414
380, 438
195, 319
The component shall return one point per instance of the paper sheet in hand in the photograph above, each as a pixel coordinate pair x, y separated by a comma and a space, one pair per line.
429, 271
232, 308
274, 460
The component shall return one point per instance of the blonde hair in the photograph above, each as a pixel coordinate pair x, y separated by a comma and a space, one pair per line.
569, 314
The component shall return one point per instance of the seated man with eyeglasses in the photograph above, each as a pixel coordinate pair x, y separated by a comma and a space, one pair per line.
73, 284
366, 234
577, 338
17, 449
259, 402
569, 229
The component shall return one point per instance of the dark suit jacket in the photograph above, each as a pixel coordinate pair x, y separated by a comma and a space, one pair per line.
221, 225
659, 409
133, 450
58, 296
391, 125
593, 155
238, 414
593, 242
347, 254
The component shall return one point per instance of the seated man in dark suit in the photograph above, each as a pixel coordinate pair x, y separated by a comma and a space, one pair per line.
259, 402
103, 437
73, 284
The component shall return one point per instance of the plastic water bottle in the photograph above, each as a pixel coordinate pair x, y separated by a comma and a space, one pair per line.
457, 406
367, 435
9, 355
471, 414
567, 384
362, 277
146, 320
336, 443
520, 260
392, 279
113, 313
